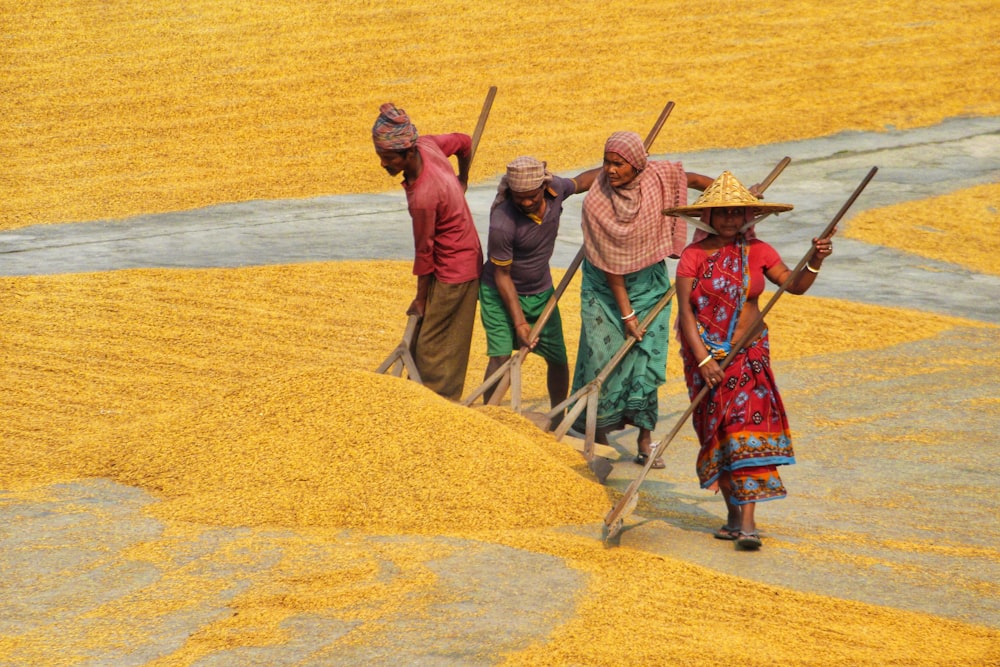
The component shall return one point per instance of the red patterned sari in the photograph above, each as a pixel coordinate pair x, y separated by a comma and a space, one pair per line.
741, 424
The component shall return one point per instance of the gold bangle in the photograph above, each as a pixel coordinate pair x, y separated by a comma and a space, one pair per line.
811, 269
704, 361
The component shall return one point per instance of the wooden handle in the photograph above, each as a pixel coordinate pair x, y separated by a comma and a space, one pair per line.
651, 137
483, 115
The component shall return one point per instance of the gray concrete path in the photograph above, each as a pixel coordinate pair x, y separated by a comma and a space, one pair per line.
912, 165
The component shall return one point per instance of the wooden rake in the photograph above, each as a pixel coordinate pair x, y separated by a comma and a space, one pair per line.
509, 374
402, 358
615, 519
587, 396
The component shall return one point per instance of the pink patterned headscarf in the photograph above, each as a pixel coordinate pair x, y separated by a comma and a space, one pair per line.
624, 228
629, 145
393, 130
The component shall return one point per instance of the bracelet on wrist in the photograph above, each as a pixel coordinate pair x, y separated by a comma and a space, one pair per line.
704, 361
810, 268
629, 316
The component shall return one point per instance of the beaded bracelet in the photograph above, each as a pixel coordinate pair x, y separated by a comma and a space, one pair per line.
629, 316
704, 361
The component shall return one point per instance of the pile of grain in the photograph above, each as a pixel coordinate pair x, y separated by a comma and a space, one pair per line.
244, 398
349, 449
960, 227
125, 108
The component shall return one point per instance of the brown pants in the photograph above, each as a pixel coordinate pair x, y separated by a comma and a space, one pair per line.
442, 343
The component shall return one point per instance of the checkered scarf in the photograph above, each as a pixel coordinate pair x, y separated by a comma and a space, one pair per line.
524, 174
624, 229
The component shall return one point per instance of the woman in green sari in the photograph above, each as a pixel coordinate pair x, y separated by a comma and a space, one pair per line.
626, 240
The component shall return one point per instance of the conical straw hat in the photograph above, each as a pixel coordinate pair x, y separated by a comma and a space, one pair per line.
724, 192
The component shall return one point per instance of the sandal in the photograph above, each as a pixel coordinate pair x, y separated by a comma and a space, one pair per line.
642, 457
749, 541
726, 533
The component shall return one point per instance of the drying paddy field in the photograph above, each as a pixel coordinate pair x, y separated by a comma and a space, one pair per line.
198, 467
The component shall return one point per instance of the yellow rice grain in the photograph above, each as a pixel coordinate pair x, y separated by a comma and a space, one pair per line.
115, 109
959, 227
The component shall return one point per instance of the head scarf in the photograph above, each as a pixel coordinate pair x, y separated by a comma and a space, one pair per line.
524, 174
626, 200
393, 130
629, 145
624, 229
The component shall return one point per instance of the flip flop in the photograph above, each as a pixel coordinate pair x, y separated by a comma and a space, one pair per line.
748, 541
726, 533
642, 457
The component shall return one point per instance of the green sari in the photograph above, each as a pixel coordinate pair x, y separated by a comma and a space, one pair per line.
629, 394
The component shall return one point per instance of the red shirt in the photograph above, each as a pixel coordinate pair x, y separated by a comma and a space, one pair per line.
694, 263
444, 234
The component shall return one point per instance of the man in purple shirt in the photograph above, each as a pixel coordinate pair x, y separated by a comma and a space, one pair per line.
448, 257
516, 281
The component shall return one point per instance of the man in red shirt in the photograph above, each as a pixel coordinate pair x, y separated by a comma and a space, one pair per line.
448, 256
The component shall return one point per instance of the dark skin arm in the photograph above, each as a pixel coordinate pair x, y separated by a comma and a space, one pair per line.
698, 181
463, 170
617, 284
586, 179
508, 293
420, 301
423, 232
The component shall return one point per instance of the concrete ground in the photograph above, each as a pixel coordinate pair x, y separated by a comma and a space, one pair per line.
912, 165
891, 500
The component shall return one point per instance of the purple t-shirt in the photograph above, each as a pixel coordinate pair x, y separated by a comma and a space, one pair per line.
525, 244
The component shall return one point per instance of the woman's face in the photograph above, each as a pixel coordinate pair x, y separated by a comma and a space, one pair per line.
727, 220
618, 170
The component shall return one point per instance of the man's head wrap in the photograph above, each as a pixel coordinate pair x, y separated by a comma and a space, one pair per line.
393, 130
524, 174
629, 146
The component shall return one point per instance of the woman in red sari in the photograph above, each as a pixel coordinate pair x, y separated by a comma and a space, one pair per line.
741, 423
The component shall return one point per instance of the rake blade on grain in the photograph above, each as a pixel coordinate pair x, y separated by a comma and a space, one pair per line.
401, 358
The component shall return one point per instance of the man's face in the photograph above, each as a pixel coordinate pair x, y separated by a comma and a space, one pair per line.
392, 161
529, 202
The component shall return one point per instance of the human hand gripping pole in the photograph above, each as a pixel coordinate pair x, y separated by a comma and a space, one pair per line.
615, 519
401, 357
509, 374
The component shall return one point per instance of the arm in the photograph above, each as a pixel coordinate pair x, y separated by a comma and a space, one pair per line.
779, 273
697, 181
419, 302
617, 284
464, 162
459, 145
423, 261
508, 294
585, 180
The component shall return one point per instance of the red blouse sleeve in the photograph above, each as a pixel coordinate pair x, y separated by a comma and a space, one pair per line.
689, 261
